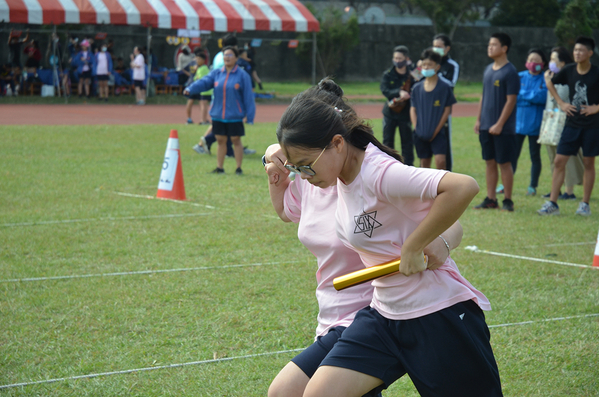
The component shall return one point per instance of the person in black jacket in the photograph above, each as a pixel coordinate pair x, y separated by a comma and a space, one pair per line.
396, 84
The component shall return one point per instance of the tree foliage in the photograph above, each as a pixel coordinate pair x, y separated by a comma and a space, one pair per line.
577, 20
334, 38
447, 15
529, 13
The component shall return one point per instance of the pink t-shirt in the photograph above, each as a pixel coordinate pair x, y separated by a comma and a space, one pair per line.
375, 215
314, 209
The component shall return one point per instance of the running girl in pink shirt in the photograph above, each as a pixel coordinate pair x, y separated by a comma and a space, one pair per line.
427, 323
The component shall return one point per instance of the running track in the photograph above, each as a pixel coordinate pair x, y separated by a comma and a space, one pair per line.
156, 114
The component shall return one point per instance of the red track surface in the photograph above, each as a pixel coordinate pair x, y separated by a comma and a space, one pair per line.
155, 114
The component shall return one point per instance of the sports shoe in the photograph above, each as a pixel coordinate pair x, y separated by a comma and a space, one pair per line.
567, 196
218, 171
549, 194
247, 151
549, 208
199, 149
238, 171
531, 191
499, 189
487, 204
508, 205
205, 145
583, 209
189, 121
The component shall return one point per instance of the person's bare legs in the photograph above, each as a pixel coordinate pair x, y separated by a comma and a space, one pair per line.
203, 111
507, 178
340, 382
188, 108
137, 94
559, 175
237, 149
492, 176
588, 180
222, 150
86, 85
425, 163
290, 382
441, 161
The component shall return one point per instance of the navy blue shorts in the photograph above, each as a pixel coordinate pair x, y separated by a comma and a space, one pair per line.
446, 353
102, 77
575, 138
426, 149
138, 83
86, 75
309, 360
198, 97
228, 129
502, 148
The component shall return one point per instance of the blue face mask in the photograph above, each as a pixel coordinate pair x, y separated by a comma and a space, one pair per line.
428, 72
439, 51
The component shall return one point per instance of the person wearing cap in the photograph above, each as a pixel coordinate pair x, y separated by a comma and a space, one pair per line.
396, 85
86, 65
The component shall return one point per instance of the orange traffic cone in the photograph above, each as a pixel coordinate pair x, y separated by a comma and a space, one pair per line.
596, 258
171, 184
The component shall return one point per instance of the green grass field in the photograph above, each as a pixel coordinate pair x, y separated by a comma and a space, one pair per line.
228, 280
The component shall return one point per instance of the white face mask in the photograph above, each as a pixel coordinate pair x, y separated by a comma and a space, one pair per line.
104, 49
439, 51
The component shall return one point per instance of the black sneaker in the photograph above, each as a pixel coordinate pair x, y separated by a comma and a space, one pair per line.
238, 171
508, 205
218, 170
487, 204
549, 194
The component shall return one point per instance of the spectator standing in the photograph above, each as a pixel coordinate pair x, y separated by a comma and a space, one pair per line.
251, 55
233, 101
138, 66
496, 121
34, 56
450, 71
431, 101
103, 71
582, 123
529, 113
7, 80
396, 85
85, 62
185, 60
560, 57
14, 45
204, 98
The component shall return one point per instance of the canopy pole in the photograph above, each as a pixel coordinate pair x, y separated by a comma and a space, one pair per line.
149, 76
313, 58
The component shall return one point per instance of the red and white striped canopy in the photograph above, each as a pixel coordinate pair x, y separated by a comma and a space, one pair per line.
212, 15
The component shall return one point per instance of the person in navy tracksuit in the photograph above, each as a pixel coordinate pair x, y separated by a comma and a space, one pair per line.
232, 102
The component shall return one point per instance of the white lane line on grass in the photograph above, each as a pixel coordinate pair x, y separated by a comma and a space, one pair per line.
219, 360
474, 248
545, 320
129, 371
561, 244
104, 219
186, 269
164, 199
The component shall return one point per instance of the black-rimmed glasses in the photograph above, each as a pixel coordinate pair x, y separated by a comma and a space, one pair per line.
306, 169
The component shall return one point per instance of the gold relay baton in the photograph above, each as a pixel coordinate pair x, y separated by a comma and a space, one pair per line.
368, 274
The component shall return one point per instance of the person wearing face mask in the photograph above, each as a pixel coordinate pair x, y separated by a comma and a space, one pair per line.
529, 113
431, 105
449, 71
103, 72
396, 85
560, 57
184, 61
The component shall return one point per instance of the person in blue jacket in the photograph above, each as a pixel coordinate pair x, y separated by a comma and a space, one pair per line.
529, 113
86, 67
233, 100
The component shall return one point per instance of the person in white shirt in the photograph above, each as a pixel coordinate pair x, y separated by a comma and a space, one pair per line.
138, 65
103, 72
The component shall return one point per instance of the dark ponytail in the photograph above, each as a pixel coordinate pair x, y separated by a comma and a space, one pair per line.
316, 115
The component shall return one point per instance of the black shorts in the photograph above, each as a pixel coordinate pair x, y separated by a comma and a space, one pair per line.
102, 77
446, 353
229, 129
575, 138
198, 97
502, 148
86, 75
426, 149
138, 83
309, 360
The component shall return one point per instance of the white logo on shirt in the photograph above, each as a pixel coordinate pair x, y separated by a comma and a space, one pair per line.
462, 316
366, 223
580, 95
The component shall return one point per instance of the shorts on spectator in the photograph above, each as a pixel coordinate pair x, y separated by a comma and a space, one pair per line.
426, 149
138, 83
575, 138
102, 77
86, 75
501, 148
229, 129
206, 98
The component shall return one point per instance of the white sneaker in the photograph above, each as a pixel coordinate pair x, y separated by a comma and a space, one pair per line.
205, 145
199, 149
583, 209
548, 209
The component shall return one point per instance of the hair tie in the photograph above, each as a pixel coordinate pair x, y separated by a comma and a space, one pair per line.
338, 110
